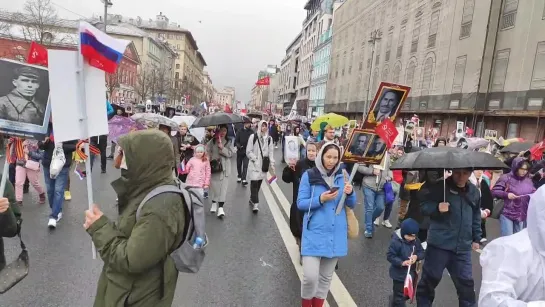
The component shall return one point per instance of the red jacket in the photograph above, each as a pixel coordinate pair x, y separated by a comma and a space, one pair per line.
398, 176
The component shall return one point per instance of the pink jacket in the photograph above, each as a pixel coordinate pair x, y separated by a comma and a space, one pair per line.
198, 172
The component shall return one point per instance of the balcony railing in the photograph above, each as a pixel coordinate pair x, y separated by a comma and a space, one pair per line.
509, 20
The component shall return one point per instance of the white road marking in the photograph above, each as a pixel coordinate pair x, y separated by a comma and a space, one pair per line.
338, 290
263, 263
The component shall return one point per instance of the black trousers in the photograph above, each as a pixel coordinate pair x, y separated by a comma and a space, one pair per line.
398, 297
242, 165
12, 177
483, 228
102, 146
2, 256
255, 186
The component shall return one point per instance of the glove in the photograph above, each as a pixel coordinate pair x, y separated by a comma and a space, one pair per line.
485, 213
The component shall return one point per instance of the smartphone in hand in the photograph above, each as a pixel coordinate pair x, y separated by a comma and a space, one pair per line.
333, 190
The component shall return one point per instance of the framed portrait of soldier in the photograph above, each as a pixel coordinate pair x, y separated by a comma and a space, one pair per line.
358, 146
24, 99
128, 108
387, 102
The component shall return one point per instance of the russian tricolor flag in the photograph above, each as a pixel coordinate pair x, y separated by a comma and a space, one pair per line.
101, 50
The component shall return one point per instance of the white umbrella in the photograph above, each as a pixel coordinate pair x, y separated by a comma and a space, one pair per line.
198, 133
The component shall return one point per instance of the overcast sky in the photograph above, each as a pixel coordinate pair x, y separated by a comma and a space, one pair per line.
236, 37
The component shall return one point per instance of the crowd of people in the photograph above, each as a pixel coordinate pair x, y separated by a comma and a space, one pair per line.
441, 217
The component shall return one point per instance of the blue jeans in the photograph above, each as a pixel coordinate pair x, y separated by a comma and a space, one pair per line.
374, 205
459, 267
509, 227
55, 190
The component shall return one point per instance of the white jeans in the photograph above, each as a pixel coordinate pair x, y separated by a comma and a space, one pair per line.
317, 275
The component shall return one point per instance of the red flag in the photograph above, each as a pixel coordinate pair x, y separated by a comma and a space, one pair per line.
264, 81
408, 288
227, 109
387, 131
37, 54
536, 152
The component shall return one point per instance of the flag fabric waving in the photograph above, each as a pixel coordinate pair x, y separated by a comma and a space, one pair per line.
37, 54
387, 131
101, 50
264, 81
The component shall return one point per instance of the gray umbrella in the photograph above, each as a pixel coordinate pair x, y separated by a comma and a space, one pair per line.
447, 158
153, 120
517, 147
218, 118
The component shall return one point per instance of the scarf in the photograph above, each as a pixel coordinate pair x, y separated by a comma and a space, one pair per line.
15, 150
80, 151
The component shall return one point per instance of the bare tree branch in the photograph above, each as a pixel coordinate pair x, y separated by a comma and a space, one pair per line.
143, 83
112, 83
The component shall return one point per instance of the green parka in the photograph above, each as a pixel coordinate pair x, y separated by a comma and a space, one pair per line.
8, 220
138, 271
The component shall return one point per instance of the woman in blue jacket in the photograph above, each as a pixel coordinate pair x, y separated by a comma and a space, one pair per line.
325, 233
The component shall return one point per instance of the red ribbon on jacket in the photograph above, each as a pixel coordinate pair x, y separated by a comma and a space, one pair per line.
79, 149
17, 144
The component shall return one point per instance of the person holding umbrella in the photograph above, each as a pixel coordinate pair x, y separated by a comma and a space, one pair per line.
220, 150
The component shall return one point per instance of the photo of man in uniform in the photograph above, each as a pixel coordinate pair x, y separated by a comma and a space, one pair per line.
21, 104
386, 106
377, 149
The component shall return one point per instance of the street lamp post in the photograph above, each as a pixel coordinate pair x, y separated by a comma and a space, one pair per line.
107, 4
375, 36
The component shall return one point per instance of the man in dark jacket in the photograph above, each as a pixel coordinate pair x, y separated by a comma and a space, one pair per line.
100, 142
455, 229
273, 132
10, 219
241, 141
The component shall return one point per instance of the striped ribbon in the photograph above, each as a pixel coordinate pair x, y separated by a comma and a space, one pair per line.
80, 151
17, 144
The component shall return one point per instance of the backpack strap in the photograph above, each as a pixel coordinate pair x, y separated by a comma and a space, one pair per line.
159, 190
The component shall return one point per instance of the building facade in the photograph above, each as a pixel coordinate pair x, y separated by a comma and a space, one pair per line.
226, 96
209, 92
289, 68
480, 62
275, 104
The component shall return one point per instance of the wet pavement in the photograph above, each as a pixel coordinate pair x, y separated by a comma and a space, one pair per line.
248, 260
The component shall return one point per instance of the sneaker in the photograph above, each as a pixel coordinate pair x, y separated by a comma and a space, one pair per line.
52, 223
368, 235
41, 199
221, 213
276, 147
59, 217
103, 171
239, 179
214, 207
255, 208
377, 222
110, 157
19, 203
386, 223
67, 195
484, 240
244, 182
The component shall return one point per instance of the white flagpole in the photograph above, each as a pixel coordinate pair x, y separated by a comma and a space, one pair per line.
85, 127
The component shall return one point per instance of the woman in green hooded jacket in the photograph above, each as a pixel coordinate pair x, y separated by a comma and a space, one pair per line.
10, 218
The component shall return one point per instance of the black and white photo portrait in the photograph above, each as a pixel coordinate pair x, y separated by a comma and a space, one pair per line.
377, 149
24, 98
359, 144
387, 104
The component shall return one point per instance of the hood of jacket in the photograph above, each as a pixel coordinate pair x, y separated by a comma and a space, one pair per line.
149, 157
320, 163
536, 221
515, 165
262, 134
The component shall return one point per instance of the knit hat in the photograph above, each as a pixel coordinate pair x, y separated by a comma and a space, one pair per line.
409, 227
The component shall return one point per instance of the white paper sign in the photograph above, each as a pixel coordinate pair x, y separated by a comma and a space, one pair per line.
66, 99
291, 149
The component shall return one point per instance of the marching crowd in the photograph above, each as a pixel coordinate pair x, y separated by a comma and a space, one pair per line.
441, 219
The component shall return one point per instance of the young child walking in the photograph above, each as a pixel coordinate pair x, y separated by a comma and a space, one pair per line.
405, 250
198, 170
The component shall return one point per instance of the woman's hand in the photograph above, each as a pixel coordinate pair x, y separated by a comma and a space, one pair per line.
512, 196
92, 216
4, 204
220, 145
327, 196
348, 189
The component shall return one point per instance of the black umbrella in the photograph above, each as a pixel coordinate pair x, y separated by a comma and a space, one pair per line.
218, 118
447, 158
517, 147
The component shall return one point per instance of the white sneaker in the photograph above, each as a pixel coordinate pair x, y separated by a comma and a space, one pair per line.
221, 213
483, 240
52, 223
255, 208
214, 207
239, 179
59, 217
424, 245
377, 222
386, 223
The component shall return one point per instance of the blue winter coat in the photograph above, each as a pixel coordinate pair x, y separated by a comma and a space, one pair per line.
325, 234
457, 228
399, 251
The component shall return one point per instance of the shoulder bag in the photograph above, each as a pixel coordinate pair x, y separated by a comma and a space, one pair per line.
265, 161
499, 204
215, 165
16, 271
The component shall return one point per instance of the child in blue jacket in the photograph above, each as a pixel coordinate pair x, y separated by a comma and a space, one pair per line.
405, 250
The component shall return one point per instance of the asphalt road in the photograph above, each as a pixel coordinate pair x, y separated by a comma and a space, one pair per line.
248, 260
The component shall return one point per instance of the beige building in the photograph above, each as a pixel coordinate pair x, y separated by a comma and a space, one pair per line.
189, 65
209, 92
225, 97
289, 67
480, 62
259, 96
273, 97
